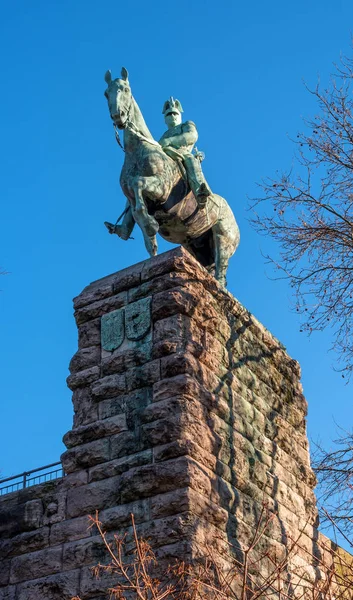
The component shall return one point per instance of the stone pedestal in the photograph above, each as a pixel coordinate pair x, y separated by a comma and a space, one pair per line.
187, 412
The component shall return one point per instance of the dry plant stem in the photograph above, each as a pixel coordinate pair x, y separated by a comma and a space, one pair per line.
209, 581
141, 559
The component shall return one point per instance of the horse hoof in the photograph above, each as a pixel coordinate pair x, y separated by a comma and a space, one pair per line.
151, 247
222, 282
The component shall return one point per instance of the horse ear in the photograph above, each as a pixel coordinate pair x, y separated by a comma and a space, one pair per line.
124, 74
108, 77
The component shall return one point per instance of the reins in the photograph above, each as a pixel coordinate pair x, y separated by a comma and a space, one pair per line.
128, 122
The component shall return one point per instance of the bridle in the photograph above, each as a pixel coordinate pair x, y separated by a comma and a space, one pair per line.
129, 123
116, 130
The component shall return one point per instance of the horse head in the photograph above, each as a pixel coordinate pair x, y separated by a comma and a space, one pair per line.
118, 94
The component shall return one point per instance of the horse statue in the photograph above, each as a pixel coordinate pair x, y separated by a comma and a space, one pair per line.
159, 197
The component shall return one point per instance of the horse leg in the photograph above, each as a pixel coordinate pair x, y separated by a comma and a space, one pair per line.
150, 186
139, 209
226, 239
223, 249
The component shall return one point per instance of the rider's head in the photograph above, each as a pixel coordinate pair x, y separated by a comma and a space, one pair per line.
172, 110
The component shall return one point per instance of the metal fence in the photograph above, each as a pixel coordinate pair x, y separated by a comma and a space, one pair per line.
29, 478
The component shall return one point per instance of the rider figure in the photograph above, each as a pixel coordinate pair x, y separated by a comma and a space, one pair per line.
178, 142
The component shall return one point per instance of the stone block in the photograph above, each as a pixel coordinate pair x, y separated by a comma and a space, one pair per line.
89, 551
69, 530
127, 278
180, 427
72, 480
130, 404
86, 455
8, 592
120, 465
178, 405
146, 375
171, 553
148, 480
91, 587
36, 564
89, 334
174, 260
158, 284
94, 431
121, 360
94, 496
182, 385
165, 348
171, 529
179, 363
98, 290
62, 586
119, 517
171, 302
99, 308
27, 541
184, 446
109, 386
171, 328
85, 407
83, 378
5, 571
85, 358
17, 515
124, 444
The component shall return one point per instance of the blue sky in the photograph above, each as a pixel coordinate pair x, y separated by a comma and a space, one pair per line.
238, 69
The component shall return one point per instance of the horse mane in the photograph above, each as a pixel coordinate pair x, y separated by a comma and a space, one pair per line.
138, 120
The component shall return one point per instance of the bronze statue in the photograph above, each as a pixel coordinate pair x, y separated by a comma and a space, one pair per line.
165, 188
178, 142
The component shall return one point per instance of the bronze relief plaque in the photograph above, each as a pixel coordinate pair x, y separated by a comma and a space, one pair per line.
112, 330
138, 319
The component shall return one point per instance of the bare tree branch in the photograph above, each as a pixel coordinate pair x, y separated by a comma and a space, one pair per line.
334, 470
311, 216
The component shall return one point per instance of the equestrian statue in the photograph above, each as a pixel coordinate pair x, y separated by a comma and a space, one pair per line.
164, 184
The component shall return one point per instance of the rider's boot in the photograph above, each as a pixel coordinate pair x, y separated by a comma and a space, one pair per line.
196, 180
202, 194
120, 230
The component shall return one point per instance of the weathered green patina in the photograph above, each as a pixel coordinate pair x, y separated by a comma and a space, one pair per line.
178, 142
138, 319
164, 185
112, 330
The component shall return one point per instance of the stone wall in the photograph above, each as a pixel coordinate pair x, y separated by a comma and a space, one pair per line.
187, 412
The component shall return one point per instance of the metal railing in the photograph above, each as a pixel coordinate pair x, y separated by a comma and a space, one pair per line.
25, 480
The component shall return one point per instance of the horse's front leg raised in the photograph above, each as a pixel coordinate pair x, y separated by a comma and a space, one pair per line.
147, 223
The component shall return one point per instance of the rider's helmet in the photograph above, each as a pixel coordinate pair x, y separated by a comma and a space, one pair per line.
172, 106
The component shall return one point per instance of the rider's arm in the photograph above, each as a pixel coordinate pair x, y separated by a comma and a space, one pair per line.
188, 137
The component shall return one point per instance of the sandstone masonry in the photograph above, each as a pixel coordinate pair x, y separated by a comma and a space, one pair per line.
187, 413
